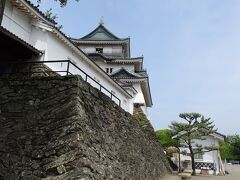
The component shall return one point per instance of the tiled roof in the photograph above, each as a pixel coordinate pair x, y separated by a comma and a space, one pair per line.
40, 12
112, 58
99, 42
100, 33
102, 36
220, 134
29, 8
125, 74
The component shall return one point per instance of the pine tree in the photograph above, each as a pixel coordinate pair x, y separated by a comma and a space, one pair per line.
196, 128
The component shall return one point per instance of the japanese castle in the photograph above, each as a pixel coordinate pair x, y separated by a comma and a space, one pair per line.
113, 55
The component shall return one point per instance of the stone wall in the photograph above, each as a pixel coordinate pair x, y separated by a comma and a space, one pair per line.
62, 128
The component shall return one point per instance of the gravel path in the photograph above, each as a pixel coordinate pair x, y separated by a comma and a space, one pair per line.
234, 174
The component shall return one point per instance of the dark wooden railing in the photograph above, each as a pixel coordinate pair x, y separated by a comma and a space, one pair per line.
61, 72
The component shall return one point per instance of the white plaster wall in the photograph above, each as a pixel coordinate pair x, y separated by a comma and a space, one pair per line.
117, 49
39, 39
89, 50
111, 49
139, 98
129, 104
211, 157
17, 22
107, 50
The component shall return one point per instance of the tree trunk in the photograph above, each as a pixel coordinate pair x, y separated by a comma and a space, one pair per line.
2, 5
192, 160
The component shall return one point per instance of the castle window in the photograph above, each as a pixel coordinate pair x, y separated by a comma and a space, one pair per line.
99, 50
109, 70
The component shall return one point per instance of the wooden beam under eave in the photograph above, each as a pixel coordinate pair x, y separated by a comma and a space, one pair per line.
15, 3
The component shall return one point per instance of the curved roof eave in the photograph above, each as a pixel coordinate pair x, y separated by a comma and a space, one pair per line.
118, 59
80, 41
131, 74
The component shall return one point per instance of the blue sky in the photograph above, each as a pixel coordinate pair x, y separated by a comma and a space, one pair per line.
190, 48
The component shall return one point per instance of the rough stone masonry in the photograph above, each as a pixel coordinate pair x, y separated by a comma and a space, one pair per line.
62, 128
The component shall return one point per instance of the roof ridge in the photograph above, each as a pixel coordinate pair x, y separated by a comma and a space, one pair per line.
128, 72
96, 29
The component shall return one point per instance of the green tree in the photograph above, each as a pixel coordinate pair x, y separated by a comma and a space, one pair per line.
53, 17
230, 148
165, 138
196, 127
226, 151
234, 141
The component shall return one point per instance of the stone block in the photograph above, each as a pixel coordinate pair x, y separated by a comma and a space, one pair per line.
61, 169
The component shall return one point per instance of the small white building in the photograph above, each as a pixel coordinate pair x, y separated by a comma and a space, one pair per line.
209, 160
30, 26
